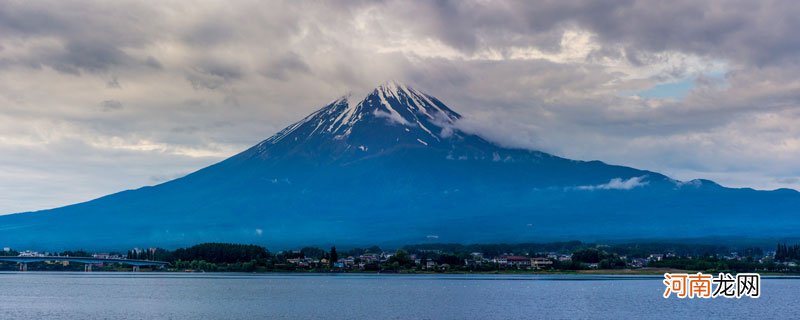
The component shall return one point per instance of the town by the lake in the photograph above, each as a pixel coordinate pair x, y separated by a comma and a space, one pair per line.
556, 257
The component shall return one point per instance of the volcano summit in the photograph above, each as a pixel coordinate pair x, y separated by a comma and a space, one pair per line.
395, 168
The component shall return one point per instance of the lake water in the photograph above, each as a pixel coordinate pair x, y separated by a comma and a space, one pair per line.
39, 295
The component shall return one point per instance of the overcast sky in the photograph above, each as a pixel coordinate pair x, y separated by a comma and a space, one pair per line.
102, 96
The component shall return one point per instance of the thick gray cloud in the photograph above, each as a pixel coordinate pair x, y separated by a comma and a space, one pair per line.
98, 96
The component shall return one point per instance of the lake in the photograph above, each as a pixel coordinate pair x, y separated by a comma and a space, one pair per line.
42, 295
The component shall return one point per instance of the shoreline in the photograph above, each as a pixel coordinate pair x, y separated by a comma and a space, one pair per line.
601, 272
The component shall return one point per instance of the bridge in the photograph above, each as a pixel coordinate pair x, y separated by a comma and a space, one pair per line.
88, 261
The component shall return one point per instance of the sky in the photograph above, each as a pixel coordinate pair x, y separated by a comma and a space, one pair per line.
98, 97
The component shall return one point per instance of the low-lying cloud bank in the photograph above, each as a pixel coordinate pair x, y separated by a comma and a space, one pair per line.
618, 184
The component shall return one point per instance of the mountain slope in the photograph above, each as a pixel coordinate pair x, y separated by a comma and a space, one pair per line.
394, 168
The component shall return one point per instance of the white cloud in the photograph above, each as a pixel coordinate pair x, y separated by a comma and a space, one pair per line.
618, 184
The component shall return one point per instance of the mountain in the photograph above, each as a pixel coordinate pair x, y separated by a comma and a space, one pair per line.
395, 168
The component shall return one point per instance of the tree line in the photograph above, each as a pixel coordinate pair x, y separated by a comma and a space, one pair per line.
787, 253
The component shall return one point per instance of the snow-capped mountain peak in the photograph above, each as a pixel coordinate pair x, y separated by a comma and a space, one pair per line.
418, 103
391, 114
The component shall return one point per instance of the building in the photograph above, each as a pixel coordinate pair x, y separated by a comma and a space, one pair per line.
369, 258
539, 263
430, 264
28, 253
470, 263
430, 251
638, 263
477, 256
656, 257
349, 262
520, 262
302, 262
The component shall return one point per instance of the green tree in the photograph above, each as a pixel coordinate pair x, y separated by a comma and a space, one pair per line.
334, 257
402, 259
9, 253
590, 255
312, 252
221, 253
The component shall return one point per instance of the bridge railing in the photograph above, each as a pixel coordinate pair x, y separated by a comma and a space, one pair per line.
86, 260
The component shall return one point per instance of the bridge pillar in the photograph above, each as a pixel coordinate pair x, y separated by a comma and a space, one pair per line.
135, 268
87, 267
23, 267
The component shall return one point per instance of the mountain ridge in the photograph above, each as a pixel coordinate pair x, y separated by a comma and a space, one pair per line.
395, 168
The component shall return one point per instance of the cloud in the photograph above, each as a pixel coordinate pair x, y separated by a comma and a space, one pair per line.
618, 184
166, 177
788, 180
113, 83
286, 66
111, 105
582, 80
